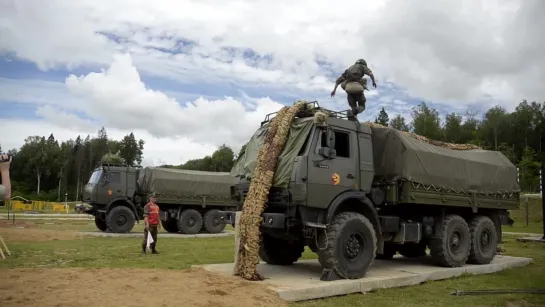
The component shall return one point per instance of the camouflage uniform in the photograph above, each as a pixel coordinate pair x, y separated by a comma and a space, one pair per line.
353, 83
151, 211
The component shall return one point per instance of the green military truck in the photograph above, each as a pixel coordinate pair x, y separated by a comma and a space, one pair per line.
189, 201
354, 192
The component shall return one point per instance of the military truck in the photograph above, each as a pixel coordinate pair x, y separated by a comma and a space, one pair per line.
353, 192
189, 201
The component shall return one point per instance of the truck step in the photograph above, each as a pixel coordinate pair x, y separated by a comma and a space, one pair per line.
315, 225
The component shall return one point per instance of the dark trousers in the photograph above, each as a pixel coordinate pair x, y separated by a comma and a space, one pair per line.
153, 231
355, 101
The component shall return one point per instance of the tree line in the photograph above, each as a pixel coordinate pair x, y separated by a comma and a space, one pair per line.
45, 169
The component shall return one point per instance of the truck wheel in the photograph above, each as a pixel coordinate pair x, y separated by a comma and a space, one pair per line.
120, 219
100, 223
190, 221
389, 251
451, 249
484, 239
212, 221
413, 250
351, 245
280, 252
170, 226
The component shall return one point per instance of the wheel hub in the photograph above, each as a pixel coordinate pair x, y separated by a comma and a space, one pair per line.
455, 242
354, 246
485, 238
191, 222
121, 220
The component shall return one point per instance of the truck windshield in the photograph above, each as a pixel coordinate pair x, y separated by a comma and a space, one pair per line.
95, 177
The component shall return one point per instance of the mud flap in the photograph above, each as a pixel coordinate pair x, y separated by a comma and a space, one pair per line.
330, 275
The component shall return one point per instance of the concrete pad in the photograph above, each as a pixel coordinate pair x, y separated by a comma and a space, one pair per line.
161, 235
524, 234
531, 239
301, 281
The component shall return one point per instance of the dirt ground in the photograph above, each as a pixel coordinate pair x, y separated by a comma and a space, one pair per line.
10, 232
129, 287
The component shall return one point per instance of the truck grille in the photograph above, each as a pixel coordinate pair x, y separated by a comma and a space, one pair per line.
277, 196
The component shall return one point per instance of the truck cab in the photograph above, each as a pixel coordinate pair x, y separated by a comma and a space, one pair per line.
111, 192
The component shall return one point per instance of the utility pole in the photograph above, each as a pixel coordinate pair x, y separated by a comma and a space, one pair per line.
542, 192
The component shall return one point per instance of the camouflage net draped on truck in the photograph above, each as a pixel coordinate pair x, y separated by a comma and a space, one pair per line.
262, 180
430, 141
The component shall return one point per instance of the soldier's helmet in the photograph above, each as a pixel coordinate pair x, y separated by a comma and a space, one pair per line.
361, 61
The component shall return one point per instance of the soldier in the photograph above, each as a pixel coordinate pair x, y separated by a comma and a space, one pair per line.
152, 223
5, 187
354, 85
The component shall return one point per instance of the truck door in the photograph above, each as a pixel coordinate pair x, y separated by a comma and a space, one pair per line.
327, 178
110, 186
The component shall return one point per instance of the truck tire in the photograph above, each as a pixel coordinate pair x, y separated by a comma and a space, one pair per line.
351, 245
280, 252
389, 251
100, 223
120, 219
190, 221
451, 247
484, 240
413, 250
170, 226
212, 221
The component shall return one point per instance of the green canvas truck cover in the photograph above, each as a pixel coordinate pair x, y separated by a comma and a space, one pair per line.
400, 156
168, 182
245, 164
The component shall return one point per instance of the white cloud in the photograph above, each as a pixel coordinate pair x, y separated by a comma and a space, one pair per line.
121, 100
442, 50
117, 99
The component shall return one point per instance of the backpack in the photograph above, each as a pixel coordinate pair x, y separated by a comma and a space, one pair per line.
354, 73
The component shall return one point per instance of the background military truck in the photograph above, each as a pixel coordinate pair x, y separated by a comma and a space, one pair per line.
189, 201
354, 192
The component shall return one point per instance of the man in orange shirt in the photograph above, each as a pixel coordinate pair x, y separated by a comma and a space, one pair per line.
152, 223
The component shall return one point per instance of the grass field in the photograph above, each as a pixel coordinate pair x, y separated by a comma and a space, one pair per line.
50, 259
535, 217
56, 246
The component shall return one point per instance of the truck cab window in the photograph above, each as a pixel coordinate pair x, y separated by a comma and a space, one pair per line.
342, 143
115, 177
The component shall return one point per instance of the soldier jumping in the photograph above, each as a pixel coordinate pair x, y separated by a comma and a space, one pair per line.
353, 83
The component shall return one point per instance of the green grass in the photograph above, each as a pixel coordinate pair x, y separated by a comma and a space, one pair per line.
182, 253
115, 252
535, 217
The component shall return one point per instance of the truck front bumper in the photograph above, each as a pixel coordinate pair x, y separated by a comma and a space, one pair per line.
269, 220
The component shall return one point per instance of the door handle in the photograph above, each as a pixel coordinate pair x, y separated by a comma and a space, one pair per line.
350, 176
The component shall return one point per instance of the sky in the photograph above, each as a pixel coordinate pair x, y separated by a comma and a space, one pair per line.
189, 76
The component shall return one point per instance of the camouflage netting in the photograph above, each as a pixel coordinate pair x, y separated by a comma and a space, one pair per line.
262, 180
429, 141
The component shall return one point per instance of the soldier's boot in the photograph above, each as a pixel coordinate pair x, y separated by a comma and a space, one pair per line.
153, 250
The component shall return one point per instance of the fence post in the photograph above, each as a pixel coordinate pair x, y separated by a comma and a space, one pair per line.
542, 187
527, 211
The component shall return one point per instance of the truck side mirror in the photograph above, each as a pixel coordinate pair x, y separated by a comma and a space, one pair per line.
330, 138
328, 151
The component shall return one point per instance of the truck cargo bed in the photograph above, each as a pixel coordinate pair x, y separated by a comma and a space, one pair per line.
186, 186
430, 174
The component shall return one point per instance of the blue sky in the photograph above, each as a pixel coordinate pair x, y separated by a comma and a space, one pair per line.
190, 76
